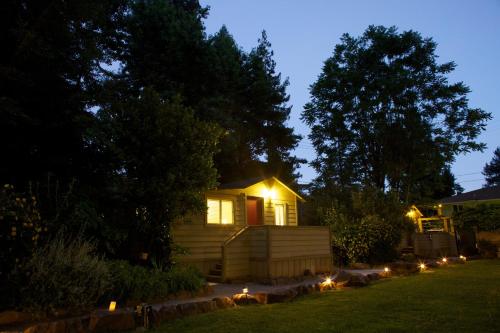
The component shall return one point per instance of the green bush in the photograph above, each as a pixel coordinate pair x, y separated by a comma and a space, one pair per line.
137, 283
64, 274
368, 227
20, 229
485, 217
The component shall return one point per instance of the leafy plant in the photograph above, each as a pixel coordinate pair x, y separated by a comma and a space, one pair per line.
367, 227
485, 217
64, 274
139, 283
21, 228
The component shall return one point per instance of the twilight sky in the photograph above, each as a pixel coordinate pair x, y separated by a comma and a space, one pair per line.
304, 33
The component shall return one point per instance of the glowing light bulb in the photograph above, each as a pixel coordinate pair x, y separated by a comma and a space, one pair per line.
422, 266
112, 306
245, 291
444, 260
328, 280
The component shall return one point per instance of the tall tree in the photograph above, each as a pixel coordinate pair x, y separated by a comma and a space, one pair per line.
164, 163
491, 170
267, 110
383, 114
50, 69
167, 49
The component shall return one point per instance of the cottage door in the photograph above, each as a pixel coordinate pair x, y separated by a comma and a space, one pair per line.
254, 211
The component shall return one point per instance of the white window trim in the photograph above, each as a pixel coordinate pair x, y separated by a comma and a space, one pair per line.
220, 199
285, 214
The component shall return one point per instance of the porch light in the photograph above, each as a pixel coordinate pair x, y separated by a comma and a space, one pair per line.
112, 306
411, 214
269, 193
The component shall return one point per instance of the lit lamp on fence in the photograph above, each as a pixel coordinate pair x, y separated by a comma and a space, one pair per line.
112, 306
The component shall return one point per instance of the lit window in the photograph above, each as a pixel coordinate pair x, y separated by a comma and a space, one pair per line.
279, 214
219, 211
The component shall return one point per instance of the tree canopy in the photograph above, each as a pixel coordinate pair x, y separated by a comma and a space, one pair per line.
383, 114
117, 115
491, 170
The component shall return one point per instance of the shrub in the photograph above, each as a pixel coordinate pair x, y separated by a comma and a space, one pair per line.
486, 248
20, 228
64, 274
368, 228
137, 283
485, 217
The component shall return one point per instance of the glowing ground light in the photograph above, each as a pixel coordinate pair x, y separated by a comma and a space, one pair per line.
444, 260
386, 269
463, 258
422, 266
245, 291
328, 280
112, 306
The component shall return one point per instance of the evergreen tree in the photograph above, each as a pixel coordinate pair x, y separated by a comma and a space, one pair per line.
164, 164
383, 114
167, 50
491, 170
267, 111
50, 70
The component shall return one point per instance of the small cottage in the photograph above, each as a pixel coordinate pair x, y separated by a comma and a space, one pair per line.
250, 231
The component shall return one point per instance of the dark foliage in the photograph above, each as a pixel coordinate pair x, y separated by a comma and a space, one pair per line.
491, 170
383, 114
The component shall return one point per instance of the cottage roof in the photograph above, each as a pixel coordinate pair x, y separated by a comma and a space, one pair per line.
244, 183
487, 193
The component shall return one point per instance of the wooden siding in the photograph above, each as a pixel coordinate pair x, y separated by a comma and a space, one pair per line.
293, 250
267, 252
435, 244
203, 243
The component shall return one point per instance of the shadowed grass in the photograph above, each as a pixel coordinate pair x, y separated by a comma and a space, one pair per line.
460, 298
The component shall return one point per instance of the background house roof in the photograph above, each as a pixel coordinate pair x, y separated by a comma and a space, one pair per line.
487, 193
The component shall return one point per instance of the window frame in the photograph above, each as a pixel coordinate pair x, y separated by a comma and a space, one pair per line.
220, 199
285, 214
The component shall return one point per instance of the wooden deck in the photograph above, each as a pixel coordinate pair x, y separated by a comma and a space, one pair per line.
256, 252
435, 244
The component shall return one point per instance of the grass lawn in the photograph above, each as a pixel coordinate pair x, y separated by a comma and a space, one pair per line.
460, 298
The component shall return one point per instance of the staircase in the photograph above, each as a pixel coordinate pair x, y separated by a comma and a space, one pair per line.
215, 273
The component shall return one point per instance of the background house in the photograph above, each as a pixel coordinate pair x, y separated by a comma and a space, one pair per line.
479, 199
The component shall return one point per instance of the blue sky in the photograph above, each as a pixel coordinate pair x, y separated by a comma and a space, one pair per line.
304, 33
